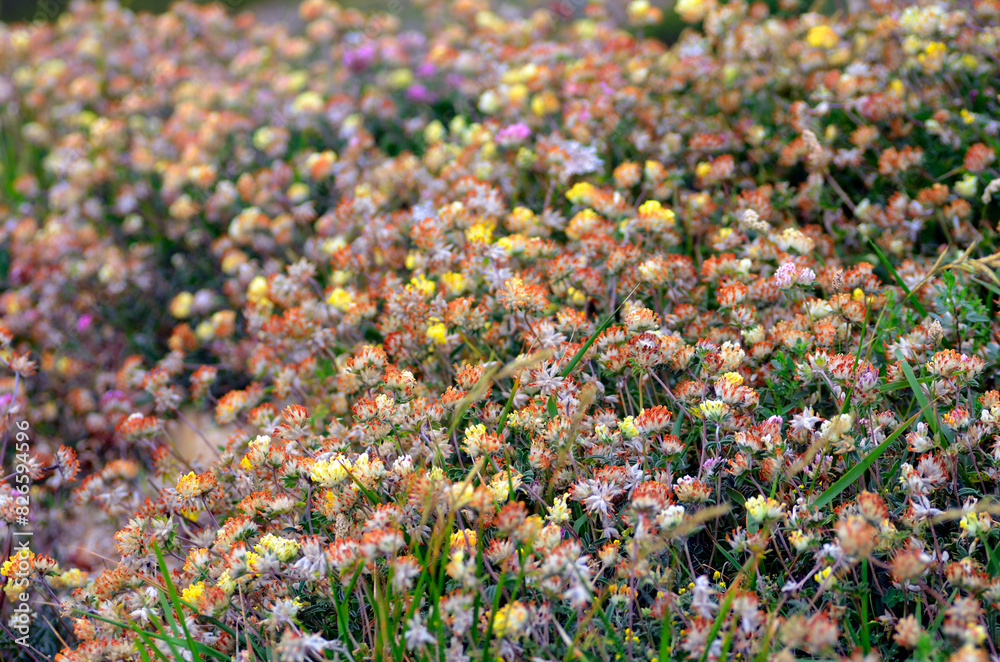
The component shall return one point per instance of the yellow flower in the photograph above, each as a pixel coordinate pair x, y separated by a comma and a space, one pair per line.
824, 575
257, 291
340, 299
489, 102
691, 11
400, 78
800, 541
263, 137
226, 583
191, 485
526, 157
454, 282
576, 297
330, 472
438, 333
320, 164
434, 132
70, 579
308, 103
653, 213
538, 106
205, 331
973, 524
967, 187
760, 508
180, 306
936, 49
510, 620
21, 556
283, 548
581, 192
733, 378
480, 233
253, 560
298, 192
193, 592
512, 243
190, 512
713, 409
559, 512
516, 94
419, 282
465, 539
822, 36
503, 484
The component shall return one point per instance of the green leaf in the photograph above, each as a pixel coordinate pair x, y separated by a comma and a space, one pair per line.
989, 286
729, 557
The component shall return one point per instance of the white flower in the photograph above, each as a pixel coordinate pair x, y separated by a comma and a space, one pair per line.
990, 189
580, 159
670, 516
807, 420
417, 635
701, 600
299, 648
599, 499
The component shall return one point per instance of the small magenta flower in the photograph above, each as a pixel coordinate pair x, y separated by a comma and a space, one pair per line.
513, 134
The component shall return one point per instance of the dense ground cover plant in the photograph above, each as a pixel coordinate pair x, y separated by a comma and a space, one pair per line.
541, 340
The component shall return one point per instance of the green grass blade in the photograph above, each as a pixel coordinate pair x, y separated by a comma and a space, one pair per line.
911, 379
865, 635
593, 338
993, 566
858, 469
175, 602
899, 281
148, 644
717, 625
173, 642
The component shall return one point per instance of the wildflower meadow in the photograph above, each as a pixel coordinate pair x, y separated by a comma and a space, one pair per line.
450, 331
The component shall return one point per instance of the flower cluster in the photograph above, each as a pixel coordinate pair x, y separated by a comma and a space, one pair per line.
526, 336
